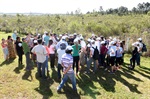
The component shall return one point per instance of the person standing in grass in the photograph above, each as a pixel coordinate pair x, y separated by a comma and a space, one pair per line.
19, 50
66, 63
5, 49
46, 39
41, 53
51, 47
11, 48
76, 48
26, 50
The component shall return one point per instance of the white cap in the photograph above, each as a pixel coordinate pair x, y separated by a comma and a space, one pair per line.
35, 41
139, 39
110, 38
75, 33
93, 34
60, 35
15, 31
69, 48
98, 38
81, 38
75, 40
92, 41
88, 45
112, 42
64, 37
89, 40
45, 32
103, 42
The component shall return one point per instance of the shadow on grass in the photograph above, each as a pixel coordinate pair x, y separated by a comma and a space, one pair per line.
44, 87
85, 82
7, 62
26, 76
17, 69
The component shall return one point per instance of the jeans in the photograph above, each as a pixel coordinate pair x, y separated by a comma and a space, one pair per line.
75, 62
28, 61
59, 68
138, 58
90, 60
41, 69
52, 60
102, 57
71, 76
46, 63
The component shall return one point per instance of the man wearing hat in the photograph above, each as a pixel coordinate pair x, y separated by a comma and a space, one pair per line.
66, 62
140, 46
14, 36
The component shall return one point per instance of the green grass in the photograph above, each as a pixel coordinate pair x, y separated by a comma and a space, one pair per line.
15, 83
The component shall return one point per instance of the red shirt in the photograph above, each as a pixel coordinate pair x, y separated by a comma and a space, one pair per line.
103, 49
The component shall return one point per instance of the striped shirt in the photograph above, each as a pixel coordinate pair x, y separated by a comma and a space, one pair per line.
67, 60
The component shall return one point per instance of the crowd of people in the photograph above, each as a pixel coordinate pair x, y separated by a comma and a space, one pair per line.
71, 53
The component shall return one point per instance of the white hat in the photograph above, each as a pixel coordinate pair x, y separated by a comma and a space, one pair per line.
60, 35
103, 42
75, 33
88, 45
39, 34
64, 37
89, 40
75, 40
93, 34
15, 31
98, 38
92, 41
112, 42
45, 32
81, 38
110, 38
69, 48
35, 41
139, 39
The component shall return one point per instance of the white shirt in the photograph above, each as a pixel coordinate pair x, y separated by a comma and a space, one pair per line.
83, 44
40, 52
60, 54
97, 43
92, 49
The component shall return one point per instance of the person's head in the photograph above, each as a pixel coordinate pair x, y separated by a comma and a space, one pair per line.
139, 39
18, 38
92, 41
23, 39
103, 42
47, 34
69, 49
3, 40
39, 41
135, 48
50, 42
9, 37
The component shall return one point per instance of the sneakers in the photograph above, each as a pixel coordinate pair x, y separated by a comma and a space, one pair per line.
58, 90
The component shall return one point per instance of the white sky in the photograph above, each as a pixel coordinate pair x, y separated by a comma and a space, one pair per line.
62, 6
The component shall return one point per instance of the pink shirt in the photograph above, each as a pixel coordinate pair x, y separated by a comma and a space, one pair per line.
52, 49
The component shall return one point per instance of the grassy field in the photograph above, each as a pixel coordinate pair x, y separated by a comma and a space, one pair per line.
15, 83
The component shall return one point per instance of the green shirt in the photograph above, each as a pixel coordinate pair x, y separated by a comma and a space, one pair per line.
75, 50
25, 47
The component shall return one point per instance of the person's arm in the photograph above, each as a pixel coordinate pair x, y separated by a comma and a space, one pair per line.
67, 69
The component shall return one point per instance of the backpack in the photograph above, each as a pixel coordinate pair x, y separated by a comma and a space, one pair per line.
144, 49
63, 46
96, 53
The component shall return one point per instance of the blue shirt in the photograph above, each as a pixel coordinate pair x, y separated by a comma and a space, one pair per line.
119, 52
46, 39
14, 36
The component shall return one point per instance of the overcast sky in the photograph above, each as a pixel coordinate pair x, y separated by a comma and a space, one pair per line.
63, 6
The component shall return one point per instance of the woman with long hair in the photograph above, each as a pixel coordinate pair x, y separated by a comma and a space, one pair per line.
11, 49
76, 48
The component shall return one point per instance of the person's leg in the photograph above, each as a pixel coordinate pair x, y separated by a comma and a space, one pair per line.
77, 64
138, 59
52, 60
46, 64
89, 61
73, 80
73, 62
133, 63
39, 69
27, 55
64, 80
59, 70
43, 69
95, 65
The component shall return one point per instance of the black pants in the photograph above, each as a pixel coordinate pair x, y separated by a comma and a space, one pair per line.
132, 62
52, 60
75, 62
19, 58
118, 61
112, 60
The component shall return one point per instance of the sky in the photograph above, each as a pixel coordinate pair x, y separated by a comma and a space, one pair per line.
63, 6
